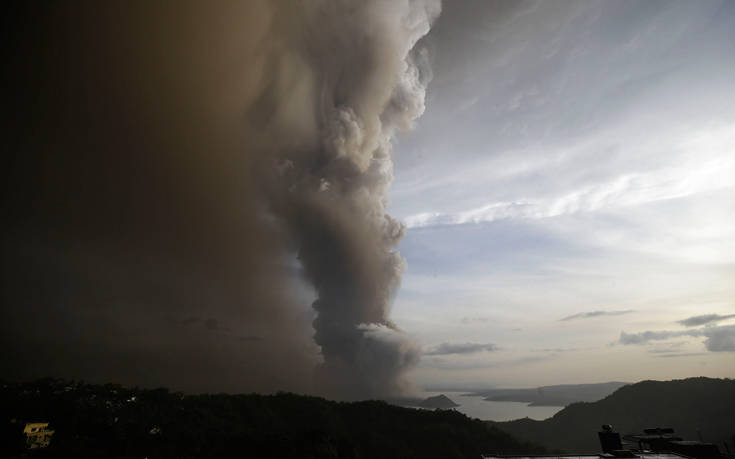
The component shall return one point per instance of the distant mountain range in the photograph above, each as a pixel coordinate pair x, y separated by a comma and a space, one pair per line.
561, 395
693, 407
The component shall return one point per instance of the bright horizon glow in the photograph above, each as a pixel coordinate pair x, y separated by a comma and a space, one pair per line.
572, 162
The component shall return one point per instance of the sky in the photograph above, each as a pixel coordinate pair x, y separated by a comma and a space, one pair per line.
359, 199
569, 194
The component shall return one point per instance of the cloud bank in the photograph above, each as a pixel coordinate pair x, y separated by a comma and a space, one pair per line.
460, 348
591, 314
704, 319
625, 190
718, 338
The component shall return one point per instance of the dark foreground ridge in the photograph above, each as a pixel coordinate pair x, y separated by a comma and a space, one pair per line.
698, 407
114, 421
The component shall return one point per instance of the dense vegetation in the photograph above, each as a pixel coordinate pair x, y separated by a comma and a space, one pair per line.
114, 421
691, 406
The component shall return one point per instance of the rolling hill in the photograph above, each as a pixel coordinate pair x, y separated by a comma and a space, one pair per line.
116, 421
692, 406
560, 395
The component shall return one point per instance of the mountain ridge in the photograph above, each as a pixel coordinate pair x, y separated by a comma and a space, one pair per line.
556, 395
691, 406
115, 421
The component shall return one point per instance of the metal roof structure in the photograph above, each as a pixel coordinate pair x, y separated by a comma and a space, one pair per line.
657, 443
635, 454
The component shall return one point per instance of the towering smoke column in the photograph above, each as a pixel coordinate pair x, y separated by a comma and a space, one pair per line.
168, 161
365, 81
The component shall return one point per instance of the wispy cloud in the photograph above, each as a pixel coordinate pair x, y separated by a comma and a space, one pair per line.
457, 364
690, 177
460, 348
719, 339
668, 348
647, 336
590, 314
555, 349
689, 354
704, 319
473, 320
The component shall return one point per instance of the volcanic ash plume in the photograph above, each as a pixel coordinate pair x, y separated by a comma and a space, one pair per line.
170, 160
366, 82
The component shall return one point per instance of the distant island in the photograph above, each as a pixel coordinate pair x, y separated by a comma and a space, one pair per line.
696, 407
560, 395
439, 401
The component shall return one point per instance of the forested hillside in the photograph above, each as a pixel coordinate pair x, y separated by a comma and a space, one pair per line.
691, 406
114, 421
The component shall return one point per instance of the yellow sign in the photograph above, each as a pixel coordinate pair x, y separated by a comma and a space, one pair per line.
37, 435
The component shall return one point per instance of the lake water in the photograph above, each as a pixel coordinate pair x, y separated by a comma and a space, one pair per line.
476, 407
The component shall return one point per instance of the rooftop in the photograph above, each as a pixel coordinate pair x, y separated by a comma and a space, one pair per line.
637, 454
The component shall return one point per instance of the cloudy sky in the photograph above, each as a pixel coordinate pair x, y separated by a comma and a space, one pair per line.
570, 194
196, 196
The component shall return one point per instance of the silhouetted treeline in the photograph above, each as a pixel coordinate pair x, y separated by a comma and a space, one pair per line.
693, 407
114, 421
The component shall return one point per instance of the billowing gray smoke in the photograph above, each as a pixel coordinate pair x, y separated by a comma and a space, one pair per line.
363, 82
168, 167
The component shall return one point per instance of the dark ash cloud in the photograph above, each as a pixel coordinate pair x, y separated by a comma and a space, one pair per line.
190, 321
704, 319
591, 314
250, 338
460, 348
169, 166
718, 338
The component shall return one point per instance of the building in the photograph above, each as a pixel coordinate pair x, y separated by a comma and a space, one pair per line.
665, 439
658, 443
37, 435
